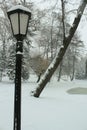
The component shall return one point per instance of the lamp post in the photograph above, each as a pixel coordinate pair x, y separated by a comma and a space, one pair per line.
19, 17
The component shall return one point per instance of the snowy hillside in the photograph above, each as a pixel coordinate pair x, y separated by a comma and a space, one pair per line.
56, 109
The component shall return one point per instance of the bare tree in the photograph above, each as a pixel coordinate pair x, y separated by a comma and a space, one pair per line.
39, 65
51, 69
63, 24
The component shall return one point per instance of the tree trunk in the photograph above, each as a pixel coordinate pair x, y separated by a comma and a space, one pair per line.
39, 77
53, 66
73, 71
86, 69
52, 40
63, 24
60, 70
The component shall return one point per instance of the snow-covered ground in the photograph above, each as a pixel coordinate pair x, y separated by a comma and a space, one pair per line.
56, 109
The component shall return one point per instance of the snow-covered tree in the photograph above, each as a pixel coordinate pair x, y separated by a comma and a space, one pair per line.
11, 62
66, 41
25, 62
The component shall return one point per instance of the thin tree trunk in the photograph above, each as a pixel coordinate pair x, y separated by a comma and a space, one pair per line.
39, 77
51, 69
73, 71
52, 40
63, 17
86, 69
60, 70
63, 24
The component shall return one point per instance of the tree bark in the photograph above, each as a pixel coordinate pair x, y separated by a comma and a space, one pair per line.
60, 70
53, 66
73, 69
39, 76
63, 24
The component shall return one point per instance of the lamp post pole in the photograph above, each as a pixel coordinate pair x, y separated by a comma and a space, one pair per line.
19, 17
17, 99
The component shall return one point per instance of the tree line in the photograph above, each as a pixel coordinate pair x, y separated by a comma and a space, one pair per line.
59, 45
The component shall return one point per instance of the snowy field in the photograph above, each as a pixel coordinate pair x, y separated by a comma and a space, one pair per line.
58, 107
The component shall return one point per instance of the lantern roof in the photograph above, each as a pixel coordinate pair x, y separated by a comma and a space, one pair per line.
20, 8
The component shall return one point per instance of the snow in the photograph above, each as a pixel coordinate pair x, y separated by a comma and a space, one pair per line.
19, 7
20, 53
56, 109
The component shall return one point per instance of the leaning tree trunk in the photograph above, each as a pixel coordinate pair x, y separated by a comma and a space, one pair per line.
51, 69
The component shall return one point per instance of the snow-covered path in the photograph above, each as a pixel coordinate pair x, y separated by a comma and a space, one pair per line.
54, 110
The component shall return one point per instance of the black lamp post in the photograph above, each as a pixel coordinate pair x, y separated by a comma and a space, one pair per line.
19, 17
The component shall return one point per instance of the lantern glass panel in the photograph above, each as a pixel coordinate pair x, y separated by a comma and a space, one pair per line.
14, 22
23, 23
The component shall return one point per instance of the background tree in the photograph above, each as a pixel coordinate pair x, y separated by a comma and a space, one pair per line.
47, 30
11, 62
25, 62
8, 50
39, 65
60, 54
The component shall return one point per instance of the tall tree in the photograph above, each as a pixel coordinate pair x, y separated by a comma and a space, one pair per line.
66, 41
63, 26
